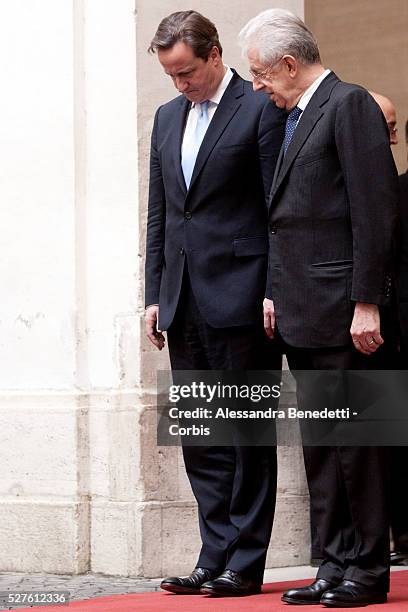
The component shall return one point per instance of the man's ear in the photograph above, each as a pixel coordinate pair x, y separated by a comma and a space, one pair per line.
214, 54
291, 64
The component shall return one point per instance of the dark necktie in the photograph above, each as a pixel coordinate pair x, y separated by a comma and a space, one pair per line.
291, 123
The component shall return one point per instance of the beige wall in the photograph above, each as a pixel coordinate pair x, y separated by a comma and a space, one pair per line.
229, 17
366, 42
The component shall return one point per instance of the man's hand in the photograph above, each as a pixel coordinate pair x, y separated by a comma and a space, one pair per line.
155, 335
269, 317
365, 328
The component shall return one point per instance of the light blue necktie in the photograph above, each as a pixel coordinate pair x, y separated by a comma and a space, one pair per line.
291, 123
190, 153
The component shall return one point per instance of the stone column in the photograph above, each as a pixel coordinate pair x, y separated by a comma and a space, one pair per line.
43, 500
69, 338
83, 485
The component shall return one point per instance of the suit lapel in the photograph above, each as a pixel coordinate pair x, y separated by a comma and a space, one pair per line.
228, 106
179, 125
306, 125
313, 112
277, 170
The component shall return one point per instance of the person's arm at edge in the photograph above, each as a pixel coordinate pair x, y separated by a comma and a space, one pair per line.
156, 220
371, 181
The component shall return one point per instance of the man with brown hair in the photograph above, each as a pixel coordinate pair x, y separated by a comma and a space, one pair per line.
213, 154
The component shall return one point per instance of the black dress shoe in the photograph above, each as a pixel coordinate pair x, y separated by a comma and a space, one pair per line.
231, 583
311, 594
189, 585
350, 594
398, 558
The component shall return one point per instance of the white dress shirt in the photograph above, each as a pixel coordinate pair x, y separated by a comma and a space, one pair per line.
212, 107
305, 99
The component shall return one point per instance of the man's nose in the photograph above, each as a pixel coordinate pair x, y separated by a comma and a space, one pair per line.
181, 84
257, 85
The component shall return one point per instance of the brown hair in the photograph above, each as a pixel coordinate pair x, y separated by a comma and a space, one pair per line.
189, 27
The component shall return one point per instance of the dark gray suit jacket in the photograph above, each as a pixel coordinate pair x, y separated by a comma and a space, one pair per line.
403, 264
218, 227
332, 214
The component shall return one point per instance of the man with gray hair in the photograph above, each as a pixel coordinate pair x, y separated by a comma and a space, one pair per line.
332, 212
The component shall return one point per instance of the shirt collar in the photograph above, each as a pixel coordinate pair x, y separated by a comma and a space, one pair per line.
305, 99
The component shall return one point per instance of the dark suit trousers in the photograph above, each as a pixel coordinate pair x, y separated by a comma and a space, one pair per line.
348, 492
235, 486
399, 478
399, 497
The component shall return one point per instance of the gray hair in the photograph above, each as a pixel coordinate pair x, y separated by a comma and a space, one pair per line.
277, 32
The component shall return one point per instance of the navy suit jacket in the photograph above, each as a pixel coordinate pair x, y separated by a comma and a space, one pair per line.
218, 227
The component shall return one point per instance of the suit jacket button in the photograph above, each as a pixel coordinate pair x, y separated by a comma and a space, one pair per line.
187, 215
181, 251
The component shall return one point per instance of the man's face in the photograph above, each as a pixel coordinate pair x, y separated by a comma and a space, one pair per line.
274, 80
192, 76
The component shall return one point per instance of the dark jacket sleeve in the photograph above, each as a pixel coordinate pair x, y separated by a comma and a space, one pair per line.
156, 222
371, 182
402, 263
403, 240
270, 137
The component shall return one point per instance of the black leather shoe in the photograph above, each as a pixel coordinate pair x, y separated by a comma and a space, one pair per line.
350, 594
231, 583
189, 585
398, 558
307, 595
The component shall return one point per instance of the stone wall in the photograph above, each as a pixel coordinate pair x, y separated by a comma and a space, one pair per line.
83, 485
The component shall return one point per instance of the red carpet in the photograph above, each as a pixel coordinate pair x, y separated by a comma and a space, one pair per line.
268, 601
